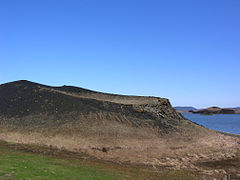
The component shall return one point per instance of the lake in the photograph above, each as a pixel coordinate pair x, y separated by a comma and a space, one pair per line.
222, 122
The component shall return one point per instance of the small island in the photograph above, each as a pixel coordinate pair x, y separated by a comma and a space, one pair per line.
216, 110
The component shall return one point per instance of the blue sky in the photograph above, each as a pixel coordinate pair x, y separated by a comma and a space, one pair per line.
187, 51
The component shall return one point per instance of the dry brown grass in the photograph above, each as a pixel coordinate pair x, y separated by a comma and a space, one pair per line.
126, 144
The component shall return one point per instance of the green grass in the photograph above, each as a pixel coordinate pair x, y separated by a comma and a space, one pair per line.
18, 161
22, 165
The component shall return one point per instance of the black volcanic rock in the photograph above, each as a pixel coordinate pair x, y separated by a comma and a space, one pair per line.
24, 103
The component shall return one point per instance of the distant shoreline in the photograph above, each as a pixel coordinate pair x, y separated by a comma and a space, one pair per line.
216, 110
208, 111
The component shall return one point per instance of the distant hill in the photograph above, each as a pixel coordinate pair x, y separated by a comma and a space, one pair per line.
217, 110
184, 108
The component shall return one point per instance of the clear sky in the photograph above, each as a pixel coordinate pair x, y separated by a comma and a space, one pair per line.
184, 50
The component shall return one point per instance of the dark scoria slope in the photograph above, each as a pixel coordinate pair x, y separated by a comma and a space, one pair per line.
28, 104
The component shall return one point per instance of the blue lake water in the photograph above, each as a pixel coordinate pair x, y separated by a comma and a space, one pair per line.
222, 122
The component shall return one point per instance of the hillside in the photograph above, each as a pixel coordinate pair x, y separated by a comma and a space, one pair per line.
117, 128
23, 99
217, 110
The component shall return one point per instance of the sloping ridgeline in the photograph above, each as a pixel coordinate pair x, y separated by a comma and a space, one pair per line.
25, 104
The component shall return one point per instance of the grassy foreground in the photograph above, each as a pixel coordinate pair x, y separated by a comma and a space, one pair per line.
14, 164
17, 162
